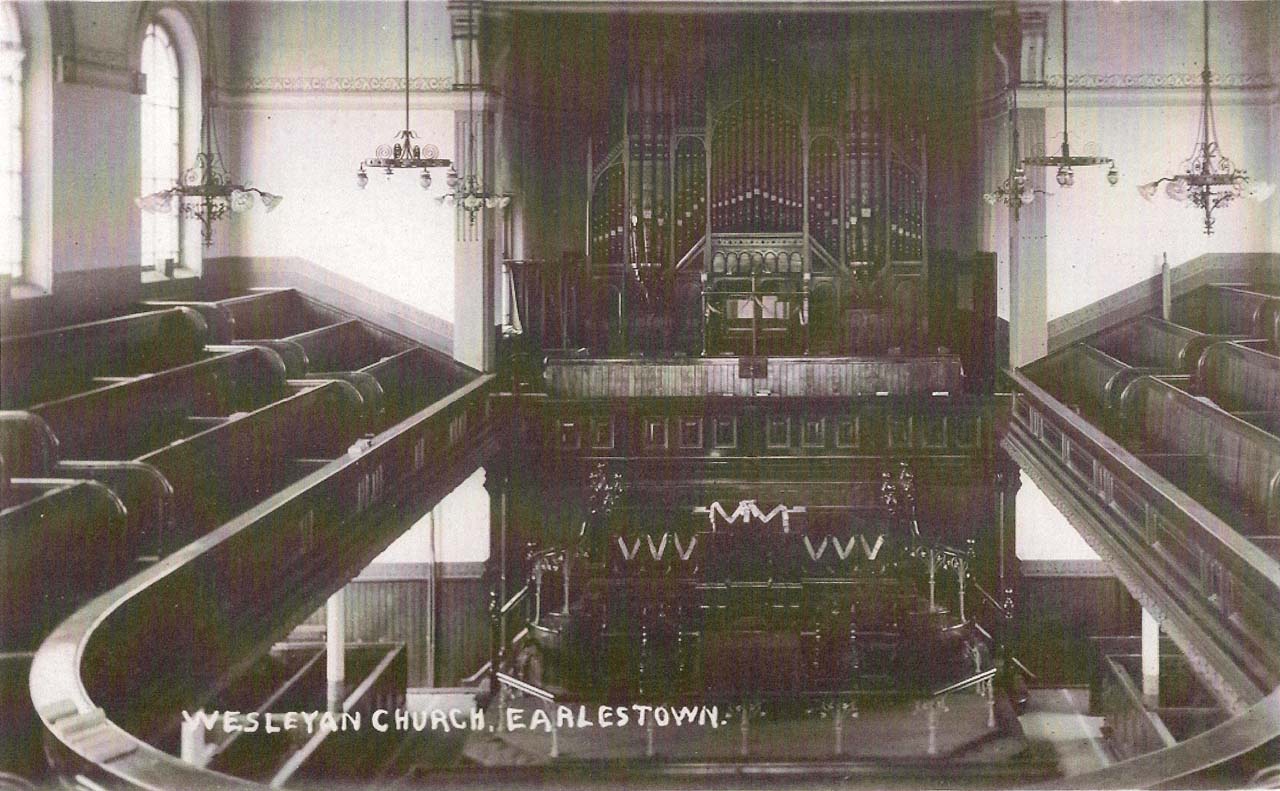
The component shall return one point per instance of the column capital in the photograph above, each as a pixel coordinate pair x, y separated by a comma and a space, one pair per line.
1031, 29
465, 24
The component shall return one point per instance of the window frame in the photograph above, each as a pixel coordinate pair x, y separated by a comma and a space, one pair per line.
185, 34
34, 275
153, 181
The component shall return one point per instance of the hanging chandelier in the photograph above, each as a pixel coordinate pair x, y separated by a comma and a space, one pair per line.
467, 191
403, 153
1064, 161
206, 191
1208, 179
1016, 190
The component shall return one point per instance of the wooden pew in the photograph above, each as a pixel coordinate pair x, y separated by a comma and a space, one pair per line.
31, 451
294, 358
1087, 379
372, 415
346, 346
27, 444
1233, 310
45, 572
53, 363
1152, 342
1243, 460
411, 380
1240, 379
276, 313
223, 470
221, 321
147, 496
127, 418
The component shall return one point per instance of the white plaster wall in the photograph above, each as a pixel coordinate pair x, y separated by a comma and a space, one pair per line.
314, 92
455, 531
351, 39
1134, 68
1102, 239
391, 236
1043, 532
1157, 36
96, 175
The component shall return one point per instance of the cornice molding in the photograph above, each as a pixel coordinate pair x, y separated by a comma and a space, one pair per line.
1139, 93
352, 93
364, 85
79, 71
104, 57
1175, 80
1072, 568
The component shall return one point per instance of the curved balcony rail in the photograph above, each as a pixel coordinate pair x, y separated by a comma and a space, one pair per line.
110, 682
1215, 592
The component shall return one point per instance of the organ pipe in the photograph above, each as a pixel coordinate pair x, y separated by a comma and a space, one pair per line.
737, 159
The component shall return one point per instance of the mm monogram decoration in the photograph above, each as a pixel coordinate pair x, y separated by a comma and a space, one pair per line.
746, 512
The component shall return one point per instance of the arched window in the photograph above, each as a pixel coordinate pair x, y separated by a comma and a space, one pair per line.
11, 149
162, 112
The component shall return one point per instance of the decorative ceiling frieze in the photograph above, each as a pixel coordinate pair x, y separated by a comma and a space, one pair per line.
305, 84
1176, 80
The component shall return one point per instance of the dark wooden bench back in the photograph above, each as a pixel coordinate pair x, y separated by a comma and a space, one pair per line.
219, 472
346, 346
146, 494
45, 570
45, 365
1085, 377
1234, 310
1244, 459
221, 322
1151, 342
412, 379
116, 418
276, 314
28, 446
1240, 379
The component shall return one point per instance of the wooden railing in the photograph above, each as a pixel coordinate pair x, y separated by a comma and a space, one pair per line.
1216, 592
1135, 730
116, 674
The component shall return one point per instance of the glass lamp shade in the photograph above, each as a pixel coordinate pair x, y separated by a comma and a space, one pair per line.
425, 180
1176, 189
241, 201
156, 203
1066, 177
362, 179
270, 201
